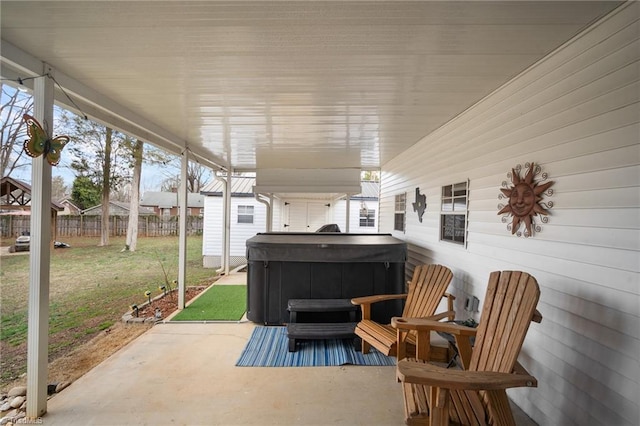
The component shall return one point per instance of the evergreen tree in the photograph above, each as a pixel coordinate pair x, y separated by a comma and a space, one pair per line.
85, 193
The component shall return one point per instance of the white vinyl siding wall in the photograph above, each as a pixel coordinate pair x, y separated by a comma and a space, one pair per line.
576, 114
240, 232
276, 215
340, 212
212, 226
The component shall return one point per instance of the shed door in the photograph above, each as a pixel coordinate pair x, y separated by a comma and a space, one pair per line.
297, 221
305, 217
316, 216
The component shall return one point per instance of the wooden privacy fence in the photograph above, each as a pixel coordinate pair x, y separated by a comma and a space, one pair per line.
90, 226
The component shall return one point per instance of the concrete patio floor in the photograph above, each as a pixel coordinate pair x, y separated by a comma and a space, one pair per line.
185, 374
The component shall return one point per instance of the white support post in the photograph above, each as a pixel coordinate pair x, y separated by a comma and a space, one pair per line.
270, 215
226, 248
348, 210
39, 257
223, 230
182, 254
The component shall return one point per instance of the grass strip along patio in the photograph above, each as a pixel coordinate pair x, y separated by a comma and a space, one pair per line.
218, 303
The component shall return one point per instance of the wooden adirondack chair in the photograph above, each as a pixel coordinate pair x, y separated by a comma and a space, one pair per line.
476, 395
426, 289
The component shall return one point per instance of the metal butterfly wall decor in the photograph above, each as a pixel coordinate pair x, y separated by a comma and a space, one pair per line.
39, 142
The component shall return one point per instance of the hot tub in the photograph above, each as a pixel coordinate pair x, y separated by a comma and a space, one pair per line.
283, 266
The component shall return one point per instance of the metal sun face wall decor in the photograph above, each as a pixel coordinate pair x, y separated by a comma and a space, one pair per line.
525, 200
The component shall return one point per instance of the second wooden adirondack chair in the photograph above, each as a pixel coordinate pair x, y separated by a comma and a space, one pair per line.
426, 290
436, 395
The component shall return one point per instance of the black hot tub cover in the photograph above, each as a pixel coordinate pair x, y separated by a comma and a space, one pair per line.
319, 247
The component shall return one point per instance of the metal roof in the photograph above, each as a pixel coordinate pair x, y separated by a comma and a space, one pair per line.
121, 205
240, 186
167, 200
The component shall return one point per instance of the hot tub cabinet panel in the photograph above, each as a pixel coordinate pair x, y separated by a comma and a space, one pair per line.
283, 266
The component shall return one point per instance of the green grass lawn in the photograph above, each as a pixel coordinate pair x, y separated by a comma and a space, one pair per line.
218, 303
90, 289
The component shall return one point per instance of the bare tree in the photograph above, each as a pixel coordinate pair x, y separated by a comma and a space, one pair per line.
106, 185
197, 177
132, 228
12, 128
58, 188
170, 184
102, 156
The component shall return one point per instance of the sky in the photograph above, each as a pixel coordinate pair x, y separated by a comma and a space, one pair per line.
151, 178
152, 174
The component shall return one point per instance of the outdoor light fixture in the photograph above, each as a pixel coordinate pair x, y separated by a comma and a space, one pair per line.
148, 294
164, 289
134, 308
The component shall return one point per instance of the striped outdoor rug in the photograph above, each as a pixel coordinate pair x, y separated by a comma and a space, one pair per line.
269, 347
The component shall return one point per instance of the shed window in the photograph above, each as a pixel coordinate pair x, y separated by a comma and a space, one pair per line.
245, 214
367, 218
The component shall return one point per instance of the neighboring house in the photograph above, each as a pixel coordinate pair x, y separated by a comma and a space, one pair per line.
116, 208
166, 204
291, 213
70, 209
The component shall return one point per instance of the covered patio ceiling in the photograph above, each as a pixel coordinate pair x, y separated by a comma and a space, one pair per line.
282, 85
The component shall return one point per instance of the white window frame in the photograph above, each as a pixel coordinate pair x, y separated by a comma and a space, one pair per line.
246, 211
369, 218
454, 209
400, 208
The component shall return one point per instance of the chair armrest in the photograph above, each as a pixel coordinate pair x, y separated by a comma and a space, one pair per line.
433, 375
437, 317
368, 300
424, 324
423, 327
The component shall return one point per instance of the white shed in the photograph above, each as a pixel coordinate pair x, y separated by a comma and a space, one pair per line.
291, 213
248, 217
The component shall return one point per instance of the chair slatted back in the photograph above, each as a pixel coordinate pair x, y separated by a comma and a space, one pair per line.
427, 286
508, 308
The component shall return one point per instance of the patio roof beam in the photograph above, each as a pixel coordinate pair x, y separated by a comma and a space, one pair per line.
84, 100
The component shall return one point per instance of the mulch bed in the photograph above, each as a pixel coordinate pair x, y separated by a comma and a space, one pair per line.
169, 303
